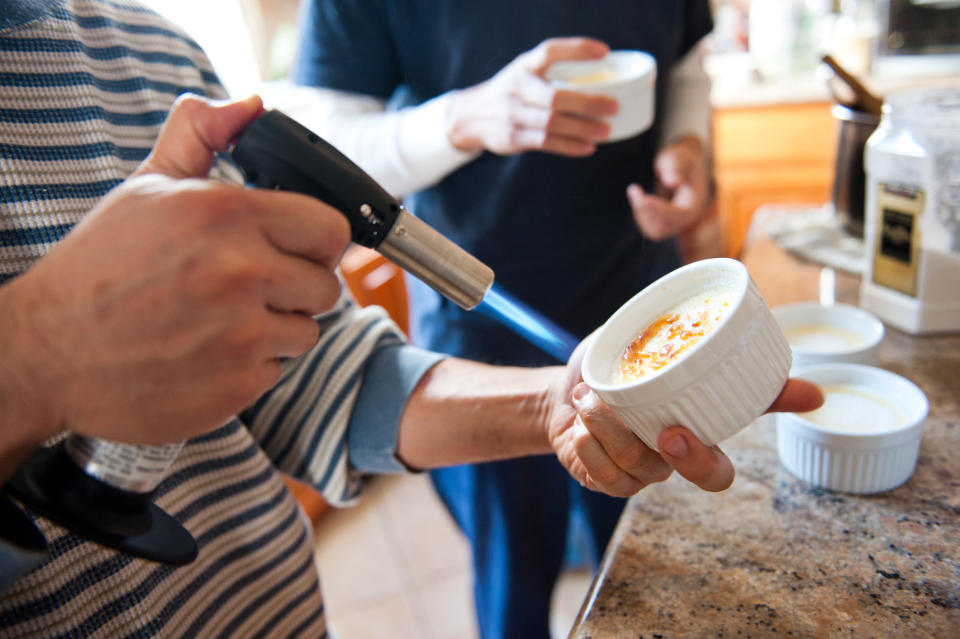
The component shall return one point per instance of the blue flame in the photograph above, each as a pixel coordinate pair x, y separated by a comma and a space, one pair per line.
528, 323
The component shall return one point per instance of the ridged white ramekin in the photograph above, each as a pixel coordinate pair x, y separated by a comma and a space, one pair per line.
632, 85
844, 317
720, 385
854, 462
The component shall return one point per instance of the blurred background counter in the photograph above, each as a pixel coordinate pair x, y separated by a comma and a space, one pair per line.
775, 141
774, 137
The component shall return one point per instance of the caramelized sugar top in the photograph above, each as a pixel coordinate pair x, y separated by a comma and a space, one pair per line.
666, 338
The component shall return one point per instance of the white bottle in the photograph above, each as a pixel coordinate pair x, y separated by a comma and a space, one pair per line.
912, 213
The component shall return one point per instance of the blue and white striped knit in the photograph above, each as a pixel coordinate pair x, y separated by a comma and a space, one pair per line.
84, 88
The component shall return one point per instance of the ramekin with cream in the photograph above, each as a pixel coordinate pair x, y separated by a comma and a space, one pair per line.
698, 348
866, 436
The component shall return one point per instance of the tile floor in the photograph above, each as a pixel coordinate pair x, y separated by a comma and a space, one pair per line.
396, 566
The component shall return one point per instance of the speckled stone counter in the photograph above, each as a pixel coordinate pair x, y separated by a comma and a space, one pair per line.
775, 557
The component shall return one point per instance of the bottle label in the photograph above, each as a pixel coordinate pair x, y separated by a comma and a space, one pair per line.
896, 254
136, 468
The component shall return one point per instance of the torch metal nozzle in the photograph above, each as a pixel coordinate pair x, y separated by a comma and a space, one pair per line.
418, 249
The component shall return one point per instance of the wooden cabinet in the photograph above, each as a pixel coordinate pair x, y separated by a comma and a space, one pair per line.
374, 280
771, 153
309, 498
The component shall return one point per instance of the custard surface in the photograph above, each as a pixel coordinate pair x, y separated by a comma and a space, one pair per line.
671, 335
603, 75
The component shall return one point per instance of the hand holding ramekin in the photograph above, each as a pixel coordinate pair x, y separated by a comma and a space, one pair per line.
627, 76
715, 379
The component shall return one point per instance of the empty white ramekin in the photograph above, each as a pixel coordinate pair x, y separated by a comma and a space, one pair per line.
627, 76
721, 384
840, 459
819, 334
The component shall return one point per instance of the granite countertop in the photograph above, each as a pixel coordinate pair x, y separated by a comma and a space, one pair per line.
775, 557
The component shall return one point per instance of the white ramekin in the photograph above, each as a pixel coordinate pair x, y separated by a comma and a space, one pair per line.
845, 317
633, 88
854, 462
720, 385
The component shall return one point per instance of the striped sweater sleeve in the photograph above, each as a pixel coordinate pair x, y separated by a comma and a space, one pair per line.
302, 422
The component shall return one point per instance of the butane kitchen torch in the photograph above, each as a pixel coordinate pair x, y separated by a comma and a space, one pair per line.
276, 152
103, 490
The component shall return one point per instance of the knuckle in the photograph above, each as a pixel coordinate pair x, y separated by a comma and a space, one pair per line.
307, 336
342, 232
271, 371
192, 275
257, 380
232, 272
661, 473
186, 105
330, 225
632, 455
549, 48
215, 205
513, 85
603, 472
328, 292
606, 474
199, 208
582, 439
514, 136
511, 107
323, 291
588, 483
549, 120
540, 54
249, 336
625, 489
593, 411
556, 98
200, 275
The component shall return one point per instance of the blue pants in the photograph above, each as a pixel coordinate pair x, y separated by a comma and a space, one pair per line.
515, 515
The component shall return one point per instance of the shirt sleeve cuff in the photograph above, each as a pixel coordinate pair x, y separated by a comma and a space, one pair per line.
423, 141
391, 376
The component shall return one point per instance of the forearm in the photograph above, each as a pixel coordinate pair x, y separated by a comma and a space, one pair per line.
467, 412
405, 151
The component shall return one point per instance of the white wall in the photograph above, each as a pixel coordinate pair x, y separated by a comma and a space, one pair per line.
221, 28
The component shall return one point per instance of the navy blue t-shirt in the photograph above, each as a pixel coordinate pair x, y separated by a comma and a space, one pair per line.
557, 231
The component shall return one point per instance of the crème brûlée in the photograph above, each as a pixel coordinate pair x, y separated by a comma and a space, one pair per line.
671, 335
603, 75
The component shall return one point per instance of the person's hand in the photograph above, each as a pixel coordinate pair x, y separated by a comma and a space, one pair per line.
166, 310
518, 110
682, 196
604, 455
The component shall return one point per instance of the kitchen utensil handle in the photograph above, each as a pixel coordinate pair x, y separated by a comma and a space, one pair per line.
277, 152
865, 97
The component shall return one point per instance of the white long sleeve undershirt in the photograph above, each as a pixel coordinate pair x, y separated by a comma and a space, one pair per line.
408, 150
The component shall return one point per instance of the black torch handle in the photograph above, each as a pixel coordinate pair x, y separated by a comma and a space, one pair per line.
277, 152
